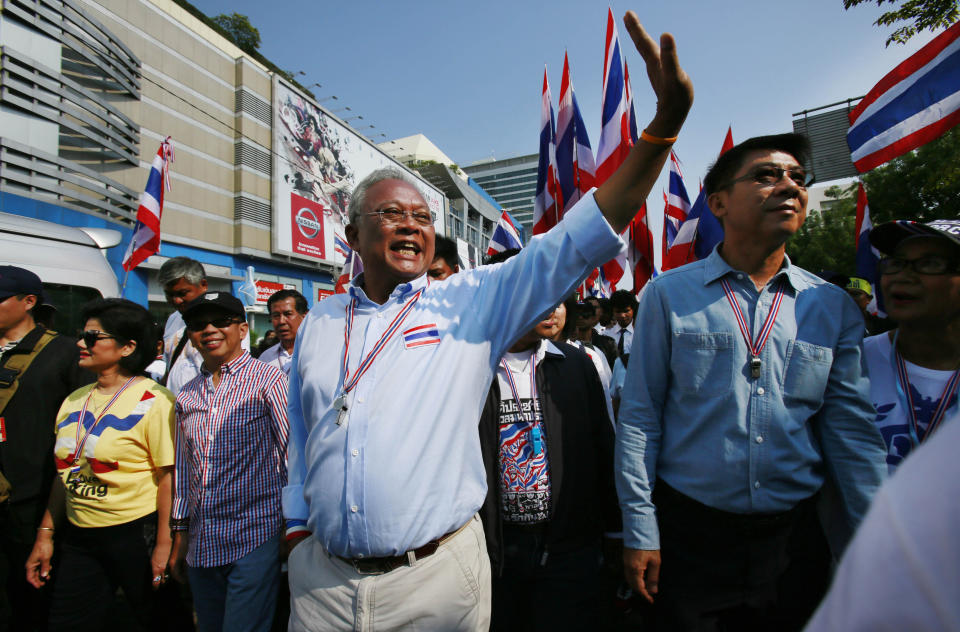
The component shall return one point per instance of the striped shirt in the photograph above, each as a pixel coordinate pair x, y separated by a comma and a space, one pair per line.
231, 443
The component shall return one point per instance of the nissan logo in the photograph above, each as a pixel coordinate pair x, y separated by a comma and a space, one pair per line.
307, 223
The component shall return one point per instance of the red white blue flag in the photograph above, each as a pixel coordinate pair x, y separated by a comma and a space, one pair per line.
547, 200
352, 266
868, 257
575, 166
915, 103
677, 204
614, 142
701, 231
631, 113
640, 250
505, 236
146, 233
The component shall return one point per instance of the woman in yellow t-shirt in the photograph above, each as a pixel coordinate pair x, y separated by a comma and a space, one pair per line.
114, 454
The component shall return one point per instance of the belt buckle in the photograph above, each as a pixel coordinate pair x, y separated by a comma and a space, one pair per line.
366, 567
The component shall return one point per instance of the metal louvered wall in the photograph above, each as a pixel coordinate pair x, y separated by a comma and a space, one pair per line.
250, 210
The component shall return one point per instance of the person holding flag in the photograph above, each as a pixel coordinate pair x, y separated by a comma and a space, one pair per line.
745, 394
388, 381
915, 368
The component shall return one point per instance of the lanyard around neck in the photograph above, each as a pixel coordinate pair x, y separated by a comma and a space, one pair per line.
906, 396
755, 346
350, 382
84, 433
535, 433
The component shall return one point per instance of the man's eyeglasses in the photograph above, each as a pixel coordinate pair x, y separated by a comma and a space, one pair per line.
923, 265
394, 216
220, 322
91, 337
769, 175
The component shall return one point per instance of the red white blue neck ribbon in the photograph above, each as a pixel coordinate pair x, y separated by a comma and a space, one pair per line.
756, 346
350, 382
81, 436
906, 397
535, 434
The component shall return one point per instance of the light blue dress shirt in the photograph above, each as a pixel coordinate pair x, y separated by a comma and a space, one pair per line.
406, 467
692, 415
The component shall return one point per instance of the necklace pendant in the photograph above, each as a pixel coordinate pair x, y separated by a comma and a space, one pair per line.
755, 366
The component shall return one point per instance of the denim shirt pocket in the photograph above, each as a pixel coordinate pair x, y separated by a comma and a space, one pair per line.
702, 361
806, 372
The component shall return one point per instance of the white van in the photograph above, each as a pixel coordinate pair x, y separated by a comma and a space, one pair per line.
70, 262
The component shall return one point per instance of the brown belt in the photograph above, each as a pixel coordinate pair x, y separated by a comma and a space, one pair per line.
381, 565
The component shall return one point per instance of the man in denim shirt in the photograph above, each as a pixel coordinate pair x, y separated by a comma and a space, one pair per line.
746, 393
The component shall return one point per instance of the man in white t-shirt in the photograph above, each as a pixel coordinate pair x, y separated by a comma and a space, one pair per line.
287, 309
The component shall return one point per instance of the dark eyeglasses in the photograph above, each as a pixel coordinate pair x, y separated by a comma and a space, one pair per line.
923, 265
769, 175
91, 337
220, 322
393, 216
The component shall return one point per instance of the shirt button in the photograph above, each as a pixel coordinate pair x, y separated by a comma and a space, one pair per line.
355, 452
359, 400
756, 485
209, 437
379, 315
354, 508
359, 554
740, 276
214, 409
760, 390
759, 439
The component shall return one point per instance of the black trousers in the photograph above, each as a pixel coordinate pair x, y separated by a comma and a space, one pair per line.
94, 562
23, 608
724, 571
554, 593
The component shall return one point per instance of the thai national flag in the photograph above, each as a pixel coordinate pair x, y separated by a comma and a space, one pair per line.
341, 246
351, 268
146, 232
676, 204
505, 236
868, 257
701, 232
575, 167
614, 142
915, 103
421, 335
631, 113
547, 200
640, 250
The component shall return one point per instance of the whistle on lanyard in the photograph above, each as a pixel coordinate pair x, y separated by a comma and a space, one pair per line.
537, 439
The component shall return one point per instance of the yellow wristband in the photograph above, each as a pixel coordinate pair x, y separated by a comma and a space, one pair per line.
656, 140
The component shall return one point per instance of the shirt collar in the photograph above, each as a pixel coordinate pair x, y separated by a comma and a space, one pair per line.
400, 292
230, 367
715, 268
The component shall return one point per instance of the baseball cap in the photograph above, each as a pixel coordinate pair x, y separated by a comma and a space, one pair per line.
14, 280
860, 284
221, 300
886, 237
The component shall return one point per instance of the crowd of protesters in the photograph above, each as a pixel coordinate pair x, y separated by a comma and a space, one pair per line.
447, 449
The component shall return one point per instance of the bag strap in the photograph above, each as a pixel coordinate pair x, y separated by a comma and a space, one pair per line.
19, 363
173, 358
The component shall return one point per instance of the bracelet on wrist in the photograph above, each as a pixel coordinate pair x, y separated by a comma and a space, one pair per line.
657, 140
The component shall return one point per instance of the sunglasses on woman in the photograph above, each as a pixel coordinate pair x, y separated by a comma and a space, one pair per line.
91, 337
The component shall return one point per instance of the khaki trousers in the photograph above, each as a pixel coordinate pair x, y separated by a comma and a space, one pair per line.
448, 591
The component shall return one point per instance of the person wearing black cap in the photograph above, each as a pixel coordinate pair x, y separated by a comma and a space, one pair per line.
915, 368
38, 369
231, 444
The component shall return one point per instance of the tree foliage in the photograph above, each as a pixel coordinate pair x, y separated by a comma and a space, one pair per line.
922, 185
238, 27
924, 14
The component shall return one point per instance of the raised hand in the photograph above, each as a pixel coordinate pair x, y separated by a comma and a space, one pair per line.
670, 83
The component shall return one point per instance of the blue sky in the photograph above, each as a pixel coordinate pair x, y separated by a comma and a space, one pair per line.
468, 74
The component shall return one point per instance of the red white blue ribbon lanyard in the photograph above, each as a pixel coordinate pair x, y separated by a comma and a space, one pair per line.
755, 347
81, 437
536, 437
906, 397
340, 402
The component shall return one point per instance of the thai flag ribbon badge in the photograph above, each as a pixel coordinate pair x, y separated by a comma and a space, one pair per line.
421, 336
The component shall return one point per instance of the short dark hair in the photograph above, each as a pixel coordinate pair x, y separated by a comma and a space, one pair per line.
622, 299
503, 255
128, 321
299, 300
446, 249
593, 300
571, 303
729, 163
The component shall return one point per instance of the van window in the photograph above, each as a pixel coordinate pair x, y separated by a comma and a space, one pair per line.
69, 300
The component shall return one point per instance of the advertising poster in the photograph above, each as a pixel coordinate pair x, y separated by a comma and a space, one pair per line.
317, 162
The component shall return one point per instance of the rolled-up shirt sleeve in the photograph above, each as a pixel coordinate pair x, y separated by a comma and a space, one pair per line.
640, 423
